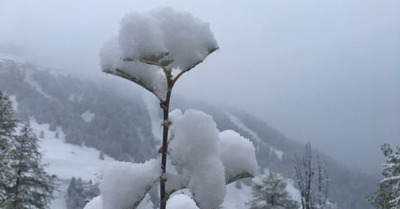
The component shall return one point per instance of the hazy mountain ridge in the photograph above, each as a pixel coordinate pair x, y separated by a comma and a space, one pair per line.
120, 126
61, 101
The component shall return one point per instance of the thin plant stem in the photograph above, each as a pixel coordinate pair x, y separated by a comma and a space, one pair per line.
165, 107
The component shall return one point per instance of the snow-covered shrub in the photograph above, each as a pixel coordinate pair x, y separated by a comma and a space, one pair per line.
154, 50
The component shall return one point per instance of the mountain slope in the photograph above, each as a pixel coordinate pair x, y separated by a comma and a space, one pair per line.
124, 126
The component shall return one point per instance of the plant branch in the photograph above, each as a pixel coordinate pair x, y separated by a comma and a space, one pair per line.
126, 76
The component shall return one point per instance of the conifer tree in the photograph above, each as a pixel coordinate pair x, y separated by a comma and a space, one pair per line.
75, 197
270, 193
30, 186
7, 129
388, 196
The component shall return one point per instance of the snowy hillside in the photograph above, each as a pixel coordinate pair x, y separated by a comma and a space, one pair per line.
90, 117
67, 160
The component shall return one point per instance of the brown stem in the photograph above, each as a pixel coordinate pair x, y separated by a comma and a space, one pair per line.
177, 77
165, 106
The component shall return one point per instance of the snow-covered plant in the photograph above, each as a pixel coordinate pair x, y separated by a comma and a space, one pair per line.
154, 50
388, 195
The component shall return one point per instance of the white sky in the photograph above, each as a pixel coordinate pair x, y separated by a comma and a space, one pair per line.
323, 71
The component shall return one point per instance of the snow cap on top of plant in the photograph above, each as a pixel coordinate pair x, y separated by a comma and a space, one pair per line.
159, 38
176, 36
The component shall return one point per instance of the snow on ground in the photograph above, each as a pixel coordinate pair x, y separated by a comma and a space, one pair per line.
294, 193
59, 196
236, 198
87, 116
67, 160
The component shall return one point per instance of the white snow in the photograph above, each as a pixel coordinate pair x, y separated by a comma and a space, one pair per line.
181, 201
95, 203
175, 36
195, 137
194, 147
87, 116
187, 39
237, 154
140, 36
294, 193
210, 157
124, 183
59, 196
67, 160
207, 182
237, 198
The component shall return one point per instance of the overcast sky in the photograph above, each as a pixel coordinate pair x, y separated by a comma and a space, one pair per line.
321, 71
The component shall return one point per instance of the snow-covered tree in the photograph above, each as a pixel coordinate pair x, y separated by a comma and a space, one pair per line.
78, 192
8, 125
30, 186
75, 199
388, 195
313, 182
269, 192
154, 50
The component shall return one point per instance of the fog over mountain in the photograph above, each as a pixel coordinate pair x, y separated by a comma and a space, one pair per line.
81, 122
319, 71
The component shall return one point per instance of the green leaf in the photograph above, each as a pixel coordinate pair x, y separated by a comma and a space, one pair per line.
165, 63
238, 177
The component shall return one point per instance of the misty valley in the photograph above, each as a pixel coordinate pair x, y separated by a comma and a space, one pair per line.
82, 125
